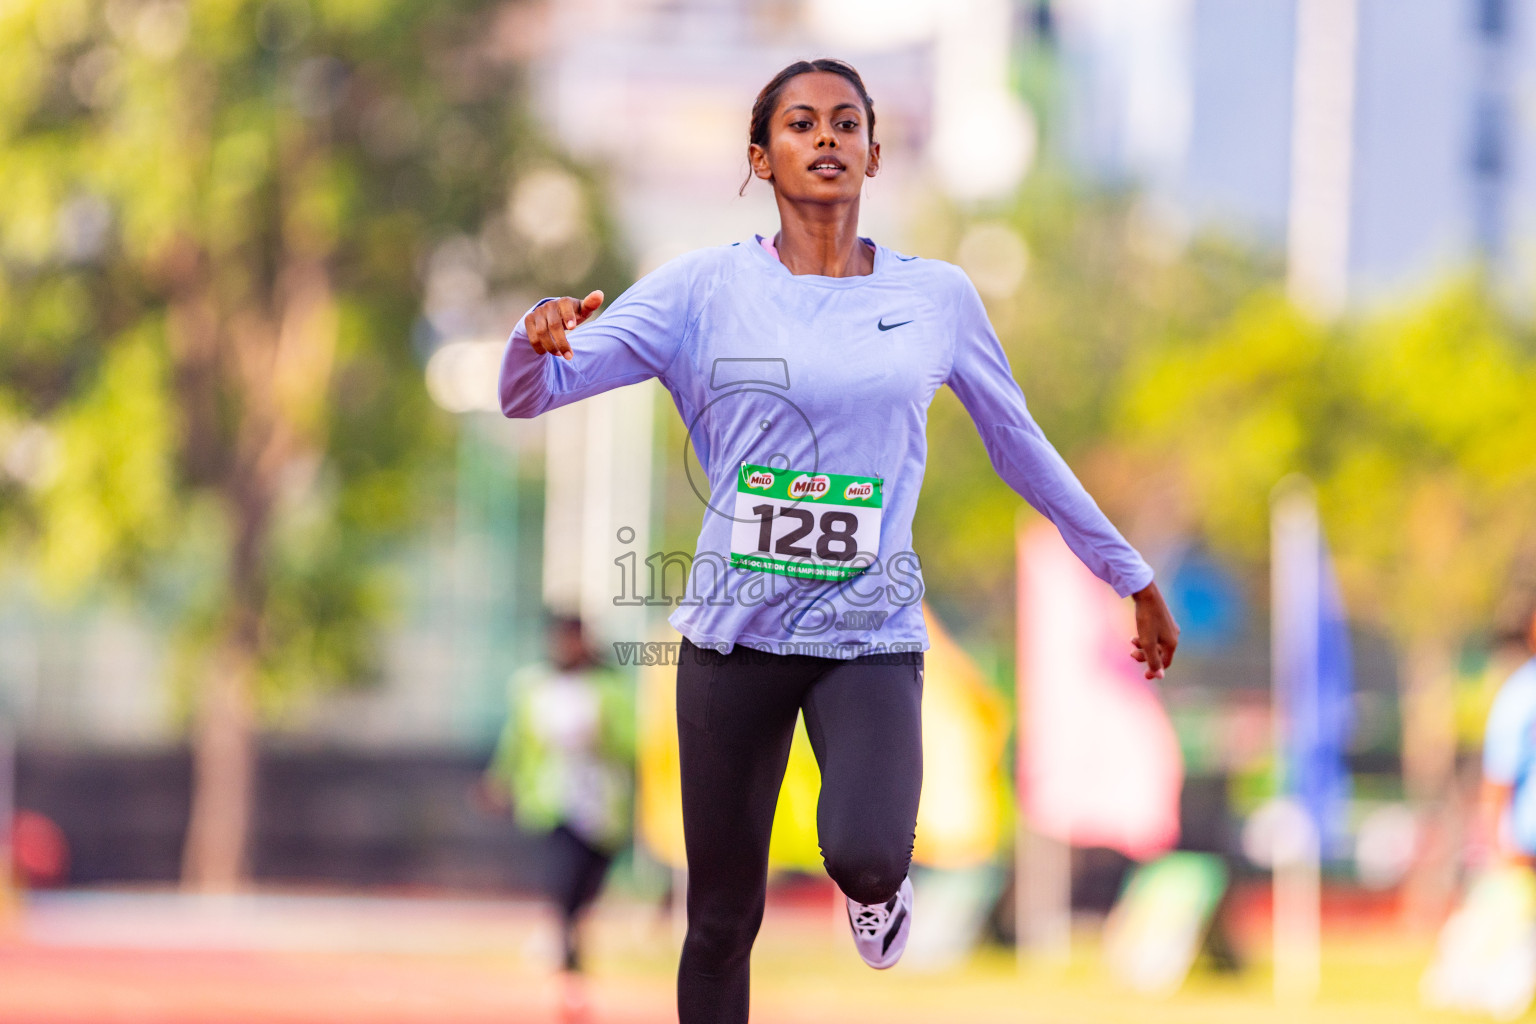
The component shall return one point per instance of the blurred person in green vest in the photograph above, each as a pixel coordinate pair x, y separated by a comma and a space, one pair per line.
565, 761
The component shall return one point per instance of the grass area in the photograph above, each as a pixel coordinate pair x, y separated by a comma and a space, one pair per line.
1363, 982
804, 973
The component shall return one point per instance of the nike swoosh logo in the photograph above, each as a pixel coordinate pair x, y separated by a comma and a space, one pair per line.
886, 327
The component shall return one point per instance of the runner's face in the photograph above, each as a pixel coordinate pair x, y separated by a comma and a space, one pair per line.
818, 141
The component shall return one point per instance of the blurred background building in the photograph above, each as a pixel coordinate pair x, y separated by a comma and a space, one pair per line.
1195, 100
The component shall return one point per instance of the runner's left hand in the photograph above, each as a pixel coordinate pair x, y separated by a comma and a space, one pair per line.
1157, 635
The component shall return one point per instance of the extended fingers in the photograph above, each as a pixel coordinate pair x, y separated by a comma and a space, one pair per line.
547, 324
1157, 634
1150, 655
555, 342
538, 330
546, 328
1167, 639
567, 308
1170, 643
565, 312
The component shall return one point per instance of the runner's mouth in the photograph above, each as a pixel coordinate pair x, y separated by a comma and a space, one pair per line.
827, 167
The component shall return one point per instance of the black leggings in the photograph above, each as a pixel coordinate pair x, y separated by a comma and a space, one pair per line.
735, 719
575, 877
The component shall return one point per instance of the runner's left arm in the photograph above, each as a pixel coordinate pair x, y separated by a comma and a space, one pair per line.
1020, 452
634, 340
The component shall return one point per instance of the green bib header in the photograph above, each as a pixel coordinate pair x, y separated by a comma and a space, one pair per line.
811, 488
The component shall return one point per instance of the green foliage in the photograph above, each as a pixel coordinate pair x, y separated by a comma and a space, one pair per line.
1182, 386
1259, 388
109, 500
222, 220
321, 614
1416, 424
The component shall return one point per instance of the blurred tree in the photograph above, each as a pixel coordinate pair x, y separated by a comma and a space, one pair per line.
220, 218
1417, 425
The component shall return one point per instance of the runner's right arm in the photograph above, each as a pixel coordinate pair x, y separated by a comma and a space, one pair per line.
635, 340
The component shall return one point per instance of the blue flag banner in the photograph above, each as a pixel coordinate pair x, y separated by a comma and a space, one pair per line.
1318, 773
1315, 677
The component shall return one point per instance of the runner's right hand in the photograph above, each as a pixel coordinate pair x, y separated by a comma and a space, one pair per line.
546, 325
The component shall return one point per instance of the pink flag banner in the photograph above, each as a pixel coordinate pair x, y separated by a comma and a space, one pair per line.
1099, 764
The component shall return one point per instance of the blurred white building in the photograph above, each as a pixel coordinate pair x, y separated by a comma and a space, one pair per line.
660, 93
1429, 103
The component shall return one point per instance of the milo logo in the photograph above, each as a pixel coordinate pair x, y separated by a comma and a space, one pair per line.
760, 480
858, 491
809, 486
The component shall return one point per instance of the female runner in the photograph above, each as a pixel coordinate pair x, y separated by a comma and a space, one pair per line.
804, 367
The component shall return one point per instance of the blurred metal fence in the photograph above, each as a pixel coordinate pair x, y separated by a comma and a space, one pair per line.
323, 817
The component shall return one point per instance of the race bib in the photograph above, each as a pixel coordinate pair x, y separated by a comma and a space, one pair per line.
819, 526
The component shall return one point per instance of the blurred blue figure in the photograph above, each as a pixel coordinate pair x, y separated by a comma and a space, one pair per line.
1508, 804
1208, 603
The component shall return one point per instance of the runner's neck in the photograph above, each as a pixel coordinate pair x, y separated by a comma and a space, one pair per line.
768, 246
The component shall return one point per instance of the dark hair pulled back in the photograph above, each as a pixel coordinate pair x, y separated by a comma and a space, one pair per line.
768, 100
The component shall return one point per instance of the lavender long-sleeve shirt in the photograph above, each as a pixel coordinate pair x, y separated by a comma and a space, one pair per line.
829, 375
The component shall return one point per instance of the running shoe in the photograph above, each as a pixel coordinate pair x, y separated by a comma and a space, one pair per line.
880, 930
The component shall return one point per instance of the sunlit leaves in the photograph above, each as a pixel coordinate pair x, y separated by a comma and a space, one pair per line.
1235, 411
34, 191
1418, 425
109, 499
214, 211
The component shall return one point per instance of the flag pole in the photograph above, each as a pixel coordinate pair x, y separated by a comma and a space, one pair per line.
8, 896
1042, 880
1295, 589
